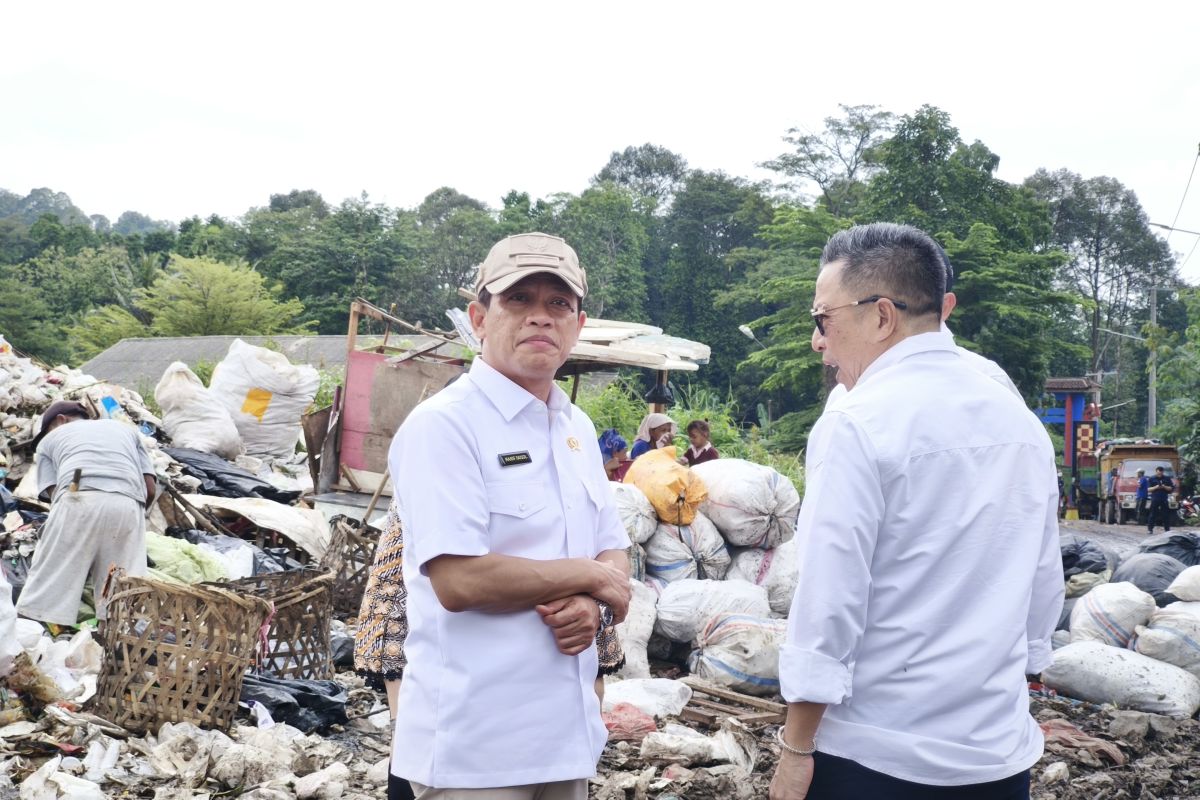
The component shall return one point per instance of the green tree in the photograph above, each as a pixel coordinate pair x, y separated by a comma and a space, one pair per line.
100, 329
653, 173
608, 233
202, 297
73, 283
839, 159
27, 321
931, 179
712, 215
1113, 257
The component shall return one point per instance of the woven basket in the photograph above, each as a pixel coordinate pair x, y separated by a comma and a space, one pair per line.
298, 632
175, 653
350, 556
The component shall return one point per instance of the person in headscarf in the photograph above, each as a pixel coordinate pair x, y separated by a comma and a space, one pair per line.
656, 431
615, 452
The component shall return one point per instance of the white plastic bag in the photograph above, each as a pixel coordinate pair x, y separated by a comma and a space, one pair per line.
1109, 613
1186, 585
740, 652
634, 632
1173, 635
192, 417
10, 647
676, 552
752, 505
266, 396
1099, 673
658, 697
636, 512
775, 569
686, 606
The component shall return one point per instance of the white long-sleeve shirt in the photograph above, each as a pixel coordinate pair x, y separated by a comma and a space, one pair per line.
930, 579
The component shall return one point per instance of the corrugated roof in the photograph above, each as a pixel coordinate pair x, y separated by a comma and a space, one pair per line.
1071, 385
138, 364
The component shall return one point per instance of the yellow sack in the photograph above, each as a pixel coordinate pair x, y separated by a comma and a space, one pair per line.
673, 489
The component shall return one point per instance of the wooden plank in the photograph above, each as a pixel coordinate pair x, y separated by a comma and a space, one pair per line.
696, 715
764, 717
728, 694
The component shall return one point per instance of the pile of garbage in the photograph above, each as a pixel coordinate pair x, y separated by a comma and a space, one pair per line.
714, 568
1128, 631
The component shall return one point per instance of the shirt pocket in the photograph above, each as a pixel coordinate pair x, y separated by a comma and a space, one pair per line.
520, 500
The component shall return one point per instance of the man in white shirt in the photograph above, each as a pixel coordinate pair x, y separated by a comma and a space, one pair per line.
514, 553
929, 573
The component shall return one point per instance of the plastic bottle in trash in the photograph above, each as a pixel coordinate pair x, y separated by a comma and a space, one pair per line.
113, 410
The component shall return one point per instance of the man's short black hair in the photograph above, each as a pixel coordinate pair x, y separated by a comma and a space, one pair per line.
949, 269
896, 261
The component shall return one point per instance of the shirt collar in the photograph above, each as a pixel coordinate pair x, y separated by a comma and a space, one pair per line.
909, 346
509, 398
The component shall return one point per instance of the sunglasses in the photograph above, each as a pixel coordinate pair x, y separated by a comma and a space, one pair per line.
820, 315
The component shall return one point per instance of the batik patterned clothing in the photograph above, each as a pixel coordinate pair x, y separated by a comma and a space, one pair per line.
382, 621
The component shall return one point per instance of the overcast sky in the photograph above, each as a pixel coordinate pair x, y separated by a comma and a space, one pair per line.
175, 109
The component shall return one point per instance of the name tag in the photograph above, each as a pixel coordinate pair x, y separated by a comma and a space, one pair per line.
513, 459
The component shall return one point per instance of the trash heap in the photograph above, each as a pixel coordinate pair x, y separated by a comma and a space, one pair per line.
1128, 631
228, 523
714, 568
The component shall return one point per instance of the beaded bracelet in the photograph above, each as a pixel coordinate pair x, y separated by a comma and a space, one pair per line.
793, 750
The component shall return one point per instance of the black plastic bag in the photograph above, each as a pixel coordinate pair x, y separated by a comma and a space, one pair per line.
342, 645
1181, 545
1152, 573
1081, 555
220, 478
307, 705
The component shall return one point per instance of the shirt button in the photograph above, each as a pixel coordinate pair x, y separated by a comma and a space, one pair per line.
521, 507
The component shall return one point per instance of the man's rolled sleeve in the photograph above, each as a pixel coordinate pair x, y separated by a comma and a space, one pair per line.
441, 495
836, 535
1046, 599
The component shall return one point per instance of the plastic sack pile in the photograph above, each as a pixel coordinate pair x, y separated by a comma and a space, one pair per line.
714, 567
1130, 628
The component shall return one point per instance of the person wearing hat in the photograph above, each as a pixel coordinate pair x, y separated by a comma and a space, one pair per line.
1160, 487
1143, 495
514, 552
99, 481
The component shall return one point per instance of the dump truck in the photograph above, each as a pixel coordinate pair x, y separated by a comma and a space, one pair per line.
1128, 457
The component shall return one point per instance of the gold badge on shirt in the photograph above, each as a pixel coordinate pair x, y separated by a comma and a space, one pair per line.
573, 443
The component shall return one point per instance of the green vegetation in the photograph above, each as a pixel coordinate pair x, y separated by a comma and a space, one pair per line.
1046, 269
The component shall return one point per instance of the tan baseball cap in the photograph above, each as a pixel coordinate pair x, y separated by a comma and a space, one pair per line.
525, 254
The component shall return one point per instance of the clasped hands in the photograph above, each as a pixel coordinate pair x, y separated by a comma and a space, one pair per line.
574, 620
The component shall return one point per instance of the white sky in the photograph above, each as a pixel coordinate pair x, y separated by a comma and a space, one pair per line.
175, 109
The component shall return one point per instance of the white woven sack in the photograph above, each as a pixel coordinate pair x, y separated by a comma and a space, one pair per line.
1173, 635
686, 606
740, 652
1186, 585
775, 569
192, 417
266, 395
635, 631
1110, 613
636, 512
676, 552
1098, 673
752, 505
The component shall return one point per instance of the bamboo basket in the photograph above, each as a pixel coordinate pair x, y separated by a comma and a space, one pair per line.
297, 638
175, 653
350, 556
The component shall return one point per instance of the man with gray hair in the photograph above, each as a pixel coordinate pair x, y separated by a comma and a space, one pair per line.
929, 574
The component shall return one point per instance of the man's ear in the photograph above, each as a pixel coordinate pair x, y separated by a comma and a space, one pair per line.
476, 312
949, 301
887, 320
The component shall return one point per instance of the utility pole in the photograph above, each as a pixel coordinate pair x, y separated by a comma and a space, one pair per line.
1152, 400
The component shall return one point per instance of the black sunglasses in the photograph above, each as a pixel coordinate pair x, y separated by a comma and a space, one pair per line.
819, 315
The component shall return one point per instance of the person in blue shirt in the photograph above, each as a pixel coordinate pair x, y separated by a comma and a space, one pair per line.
1143, 494
1160, 487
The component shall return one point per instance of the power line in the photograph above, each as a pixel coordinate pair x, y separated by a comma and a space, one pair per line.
1184, 198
